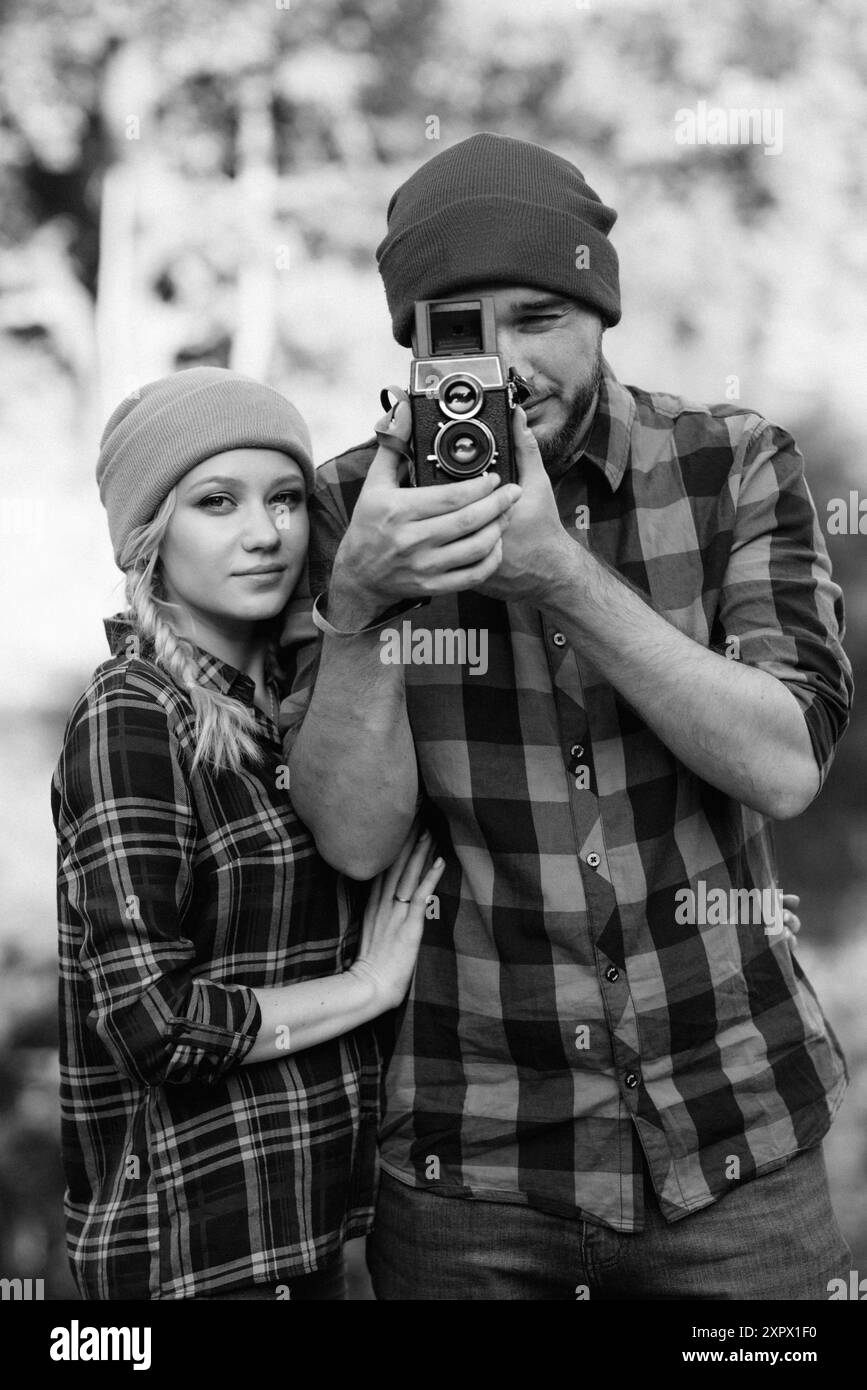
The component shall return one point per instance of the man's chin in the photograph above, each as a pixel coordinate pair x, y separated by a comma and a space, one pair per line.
561, 436
547, 425
554, 440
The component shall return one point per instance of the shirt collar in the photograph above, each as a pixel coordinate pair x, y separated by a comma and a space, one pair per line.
210, 671
608, 444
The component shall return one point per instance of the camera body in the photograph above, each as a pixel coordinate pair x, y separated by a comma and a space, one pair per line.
460, 394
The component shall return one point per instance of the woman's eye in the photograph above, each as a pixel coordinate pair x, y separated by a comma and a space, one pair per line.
286, 499
217, 502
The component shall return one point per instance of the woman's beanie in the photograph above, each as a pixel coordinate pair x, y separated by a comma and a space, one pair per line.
495, 210
163, 429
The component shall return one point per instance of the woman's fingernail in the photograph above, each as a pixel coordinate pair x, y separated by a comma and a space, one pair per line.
438, 862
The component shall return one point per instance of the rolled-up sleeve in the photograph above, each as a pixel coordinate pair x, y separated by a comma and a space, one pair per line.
778, 596
126, 844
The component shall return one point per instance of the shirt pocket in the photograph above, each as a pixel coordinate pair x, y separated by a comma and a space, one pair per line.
245, 907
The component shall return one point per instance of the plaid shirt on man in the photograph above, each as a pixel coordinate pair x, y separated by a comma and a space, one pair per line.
561, 1019
179, 893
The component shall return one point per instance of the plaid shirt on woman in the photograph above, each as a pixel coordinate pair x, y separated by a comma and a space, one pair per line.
180, 892
563, 1017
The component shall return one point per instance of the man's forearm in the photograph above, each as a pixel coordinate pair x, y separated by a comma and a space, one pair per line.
353, 770
738, 728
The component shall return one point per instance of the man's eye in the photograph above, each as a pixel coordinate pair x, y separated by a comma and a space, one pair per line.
539, 323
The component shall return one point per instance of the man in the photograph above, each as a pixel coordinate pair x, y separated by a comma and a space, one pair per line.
609, 1079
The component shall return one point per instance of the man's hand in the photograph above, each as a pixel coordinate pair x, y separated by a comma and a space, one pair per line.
536, 547
405, 543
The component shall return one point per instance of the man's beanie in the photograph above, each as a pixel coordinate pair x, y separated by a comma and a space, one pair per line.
496, 210
163, 429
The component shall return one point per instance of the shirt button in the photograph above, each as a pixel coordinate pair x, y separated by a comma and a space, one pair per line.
631, 1079
594, 861
577, 749
612, 973
558, 639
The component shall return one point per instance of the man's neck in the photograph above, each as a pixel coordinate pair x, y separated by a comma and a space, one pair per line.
585, 428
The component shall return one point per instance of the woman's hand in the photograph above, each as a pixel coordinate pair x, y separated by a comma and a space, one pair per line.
394, 919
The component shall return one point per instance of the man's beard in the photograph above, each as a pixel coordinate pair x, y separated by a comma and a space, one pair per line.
564, 441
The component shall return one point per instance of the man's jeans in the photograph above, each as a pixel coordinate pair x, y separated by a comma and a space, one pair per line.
772, 1238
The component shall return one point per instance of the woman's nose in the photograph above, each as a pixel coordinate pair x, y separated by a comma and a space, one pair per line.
261, 531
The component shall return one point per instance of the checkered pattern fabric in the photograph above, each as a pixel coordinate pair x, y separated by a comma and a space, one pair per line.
562, 1022
178, 894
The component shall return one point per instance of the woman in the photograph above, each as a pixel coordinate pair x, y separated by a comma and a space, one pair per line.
219, 1076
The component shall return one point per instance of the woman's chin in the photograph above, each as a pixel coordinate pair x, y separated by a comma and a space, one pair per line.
263, 610
267, 612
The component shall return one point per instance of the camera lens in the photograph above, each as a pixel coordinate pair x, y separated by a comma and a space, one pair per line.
460, 395
465, 449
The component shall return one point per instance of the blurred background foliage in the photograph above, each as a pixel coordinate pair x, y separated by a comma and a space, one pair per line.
207, 183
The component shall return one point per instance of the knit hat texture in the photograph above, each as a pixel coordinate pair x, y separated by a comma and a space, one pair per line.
496, 210
163, 429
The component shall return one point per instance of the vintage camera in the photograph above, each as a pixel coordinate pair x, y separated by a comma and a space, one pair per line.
460, 394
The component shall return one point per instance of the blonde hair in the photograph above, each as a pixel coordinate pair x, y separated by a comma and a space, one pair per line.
224, 728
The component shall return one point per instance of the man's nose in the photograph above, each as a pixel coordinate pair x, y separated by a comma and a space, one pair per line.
514, 352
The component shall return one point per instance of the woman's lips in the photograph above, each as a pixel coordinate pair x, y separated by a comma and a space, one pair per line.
266, 572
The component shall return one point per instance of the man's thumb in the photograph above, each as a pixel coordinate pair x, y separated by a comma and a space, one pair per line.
393, 432
527, 449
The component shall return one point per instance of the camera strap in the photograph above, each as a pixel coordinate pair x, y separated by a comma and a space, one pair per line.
398, 446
